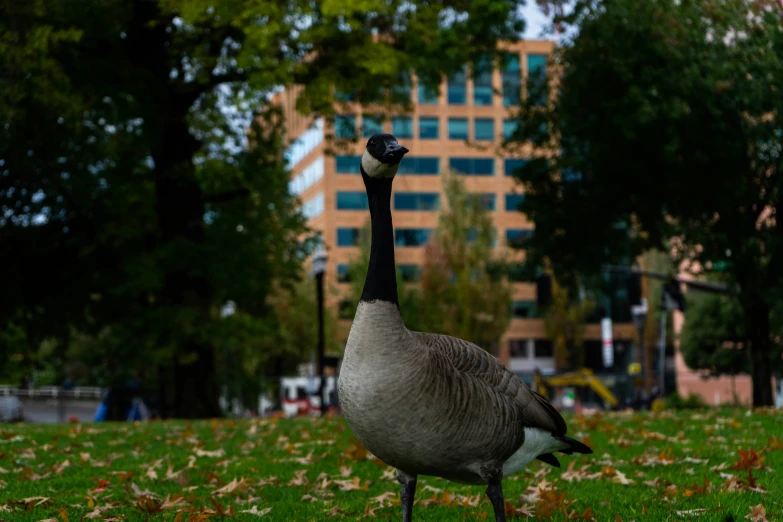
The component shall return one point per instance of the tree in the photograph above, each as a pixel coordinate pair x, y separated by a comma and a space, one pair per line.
664, 134
460, 278
461, 291
121, 159
713, 338
564, 325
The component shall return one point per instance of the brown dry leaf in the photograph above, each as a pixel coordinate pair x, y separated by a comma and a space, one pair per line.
389, 474
57, 469
269, 481
757, 514
335, 511
385, 499
30, 502
300, 478
255, 511
240, 485
586, 515
214, 454
142, 493
148, 505
49, 520
345, 471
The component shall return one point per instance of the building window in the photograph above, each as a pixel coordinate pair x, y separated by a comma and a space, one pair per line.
305, 143
513, 201
416, 201
517, 348
511, 79
372, 125
347, 237
428, 128
485, 129
345, 127
420, 166
308, 177
523, 309
458, 128
486, 200
512, 164
411, 237
345, 309
343, 274
510, 127
352, 201
482, 81
536, 78
473, 166
518, 235
347, 164
457, 88
314, 207
427, 96
402, 127
410, 273
543, 348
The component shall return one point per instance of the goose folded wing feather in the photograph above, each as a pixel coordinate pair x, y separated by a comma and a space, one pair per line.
475, 363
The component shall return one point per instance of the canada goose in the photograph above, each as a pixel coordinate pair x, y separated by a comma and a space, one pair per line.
431, 404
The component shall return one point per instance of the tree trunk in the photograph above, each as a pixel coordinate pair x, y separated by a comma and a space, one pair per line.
189, 388
757, 339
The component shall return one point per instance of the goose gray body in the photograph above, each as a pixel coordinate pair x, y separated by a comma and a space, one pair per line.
432, 404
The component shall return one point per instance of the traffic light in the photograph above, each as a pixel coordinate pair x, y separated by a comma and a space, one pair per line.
672, 295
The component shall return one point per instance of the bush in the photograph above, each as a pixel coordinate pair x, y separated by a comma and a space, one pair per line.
675, 401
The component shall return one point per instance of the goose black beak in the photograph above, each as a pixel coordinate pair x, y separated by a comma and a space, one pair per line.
394, 152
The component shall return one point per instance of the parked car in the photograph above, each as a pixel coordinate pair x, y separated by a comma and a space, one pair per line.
11, 409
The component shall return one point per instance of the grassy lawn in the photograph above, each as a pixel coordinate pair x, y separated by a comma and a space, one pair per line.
700, 465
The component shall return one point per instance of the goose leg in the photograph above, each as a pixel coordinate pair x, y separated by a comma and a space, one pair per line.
407, 492
495, 495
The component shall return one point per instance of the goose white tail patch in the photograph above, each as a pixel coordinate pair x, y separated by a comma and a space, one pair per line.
376, 169
537, 442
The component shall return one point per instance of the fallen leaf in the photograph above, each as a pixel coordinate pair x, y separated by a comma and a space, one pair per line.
757, 514
255, 511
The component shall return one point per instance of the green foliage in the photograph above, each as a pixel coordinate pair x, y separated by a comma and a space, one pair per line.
713, 336
132, 210
664, 134
694, 401
470, 299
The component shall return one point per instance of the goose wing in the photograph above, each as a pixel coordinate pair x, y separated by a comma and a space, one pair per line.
476, 364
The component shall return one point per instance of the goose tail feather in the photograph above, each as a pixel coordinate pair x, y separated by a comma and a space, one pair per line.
574, 446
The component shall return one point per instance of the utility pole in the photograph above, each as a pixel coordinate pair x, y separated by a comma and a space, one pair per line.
319, 268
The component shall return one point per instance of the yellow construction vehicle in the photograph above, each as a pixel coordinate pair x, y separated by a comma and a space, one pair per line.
579, 378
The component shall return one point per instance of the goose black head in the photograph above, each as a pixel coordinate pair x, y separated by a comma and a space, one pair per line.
382, 157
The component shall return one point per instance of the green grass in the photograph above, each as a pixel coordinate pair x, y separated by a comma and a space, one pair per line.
645, 467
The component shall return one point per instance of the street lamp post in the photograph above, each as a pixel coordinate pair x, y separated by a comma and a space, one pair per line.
639, 313
319, 268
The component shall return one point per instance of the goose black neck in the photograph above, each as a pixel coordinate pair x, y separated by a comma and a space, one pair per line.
381, 281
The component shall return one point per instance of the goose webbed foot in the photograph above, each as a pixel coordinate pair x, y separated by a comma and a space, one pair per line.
495, 495
407, 492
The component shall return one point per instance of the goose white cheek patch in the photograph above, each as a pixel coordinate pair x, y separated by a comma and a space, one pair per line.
376, 169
